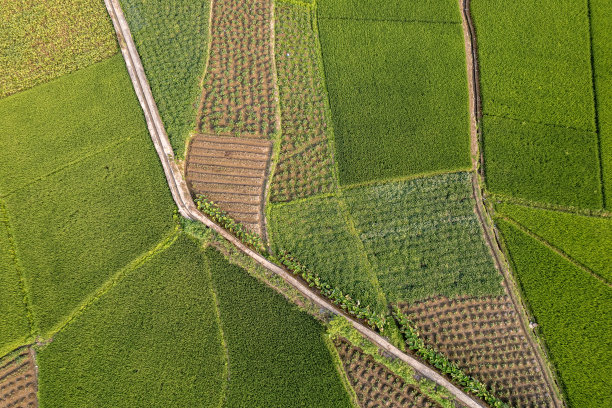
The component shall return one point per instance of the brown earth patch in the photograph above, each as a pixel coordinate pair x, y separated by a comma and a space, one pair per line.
231, 172
374, 384
238, 95
18, 379
484, 337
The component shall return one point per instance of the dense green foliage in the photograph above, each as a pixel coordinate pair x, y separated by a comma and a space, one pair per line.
172, 41
601, 30
423, 238
393, 10
44, 40
89, 196
151, 340
586, 239
398, 95
14, 325
574, 313
277, 354
542, 163
542, 73
318, 235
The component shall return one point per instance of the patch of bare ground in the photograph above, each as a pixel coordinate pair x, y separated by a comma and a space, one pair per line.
484, 337
374, 384
238, 95
18, 383
231, 172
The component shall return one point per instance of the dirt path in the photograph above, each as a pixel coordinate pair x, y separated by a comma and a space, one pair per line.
484, 217
187, 208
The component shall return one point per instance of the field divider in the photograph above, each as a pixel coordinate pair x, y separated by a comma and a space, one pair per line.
390, 20
187, 209
485, 219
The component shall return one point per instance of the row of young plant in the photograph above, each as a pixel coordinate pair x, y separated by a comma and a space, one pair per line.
441, 362
222, 218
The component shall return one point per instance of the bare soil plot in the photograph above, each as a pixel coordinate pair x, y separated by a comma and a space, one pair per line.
374, 384
238, 96
18, 384
232, 173
484, 337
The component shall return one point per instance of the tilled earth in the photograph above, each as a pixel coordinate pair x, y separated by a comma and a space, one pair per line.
18, 385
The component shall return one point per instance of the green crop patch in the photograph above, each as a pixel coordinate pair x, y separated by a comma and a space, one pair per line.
601, 31
535, 62
585, 239
151, 340
172, 41
90, 200
318, 235
398, 95
542, 163
420, 10
423, 238
44, 40
277, 354
574, 315
14, 324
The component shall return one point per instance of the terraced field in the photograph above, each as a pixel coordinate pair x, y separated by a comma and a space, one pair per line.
232, 172
18, 379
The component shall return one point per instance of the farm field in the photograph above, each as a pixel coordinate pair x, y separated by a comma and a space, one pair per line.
392, 10
379, 97
18, 379
42, 41
172, 40
238, 89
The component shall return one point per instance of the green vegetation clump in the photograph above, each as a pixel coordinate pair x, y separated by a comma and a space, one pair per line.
151, 340
44, 40
398, 95
172, 41
441, 11
541, 163
277, 354
84, 190
535, 61
586, 239
317, 234
423, 238
572, 309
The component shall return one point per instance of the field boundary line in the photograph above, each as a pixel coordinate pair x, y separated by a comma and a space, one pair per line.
409, 177
553, 248
111, 282
187, 208
596, 106
535, 122
584, 212
67, 165
485, 220
391, 20
338, 364
26, 296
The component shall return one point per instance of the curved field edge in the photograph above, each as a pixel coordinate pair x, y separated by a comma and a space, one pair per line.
573, 312
172, 41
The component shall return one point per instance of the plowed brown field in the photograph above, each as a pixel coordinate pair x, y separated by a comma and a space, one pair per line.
484, 337
18, 384
232, 172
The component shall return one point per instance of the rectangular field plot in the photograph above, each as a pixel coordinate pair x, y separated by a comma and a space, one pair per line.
542, 72
424, 10
572, 309
541, 163
317, 234
423, 238
231, 172
398, 94
305, 165
44, 40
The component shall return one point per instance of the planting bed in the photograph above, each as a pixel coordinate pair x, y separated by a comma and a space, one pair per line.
375, 385
484, 337
18, 383
232, 173
238, 95
304, 165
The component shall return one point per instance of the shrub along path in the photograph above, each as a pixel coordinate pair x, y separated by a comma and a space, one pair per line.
187, 208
